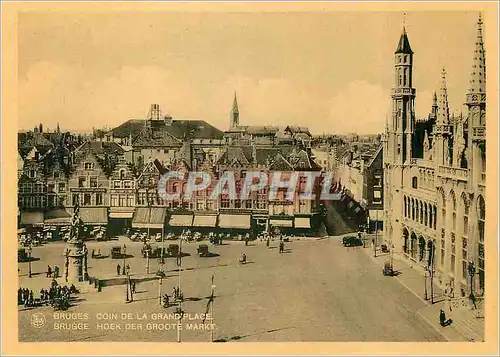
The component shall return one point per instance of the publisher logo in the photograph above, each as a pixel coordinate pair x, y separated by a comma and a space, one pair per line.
38, 320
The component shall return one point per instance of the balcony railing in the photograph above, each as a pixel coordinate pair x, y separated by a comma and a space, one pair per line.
454, 173
403, 91
478, 133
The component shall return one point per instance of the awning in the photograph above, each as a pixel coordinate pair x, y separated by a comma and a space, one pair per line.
57, 217
181, 220
302, 222
121, 212
239, 221
205, 221
373, 215
153, 217
94, 215
281, 222
32, 218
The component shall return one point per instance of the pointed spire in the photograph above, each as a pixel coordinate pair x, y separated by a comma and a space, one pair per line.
235, 104
426, 141
443, 115
434, 100
404, 43
477, 82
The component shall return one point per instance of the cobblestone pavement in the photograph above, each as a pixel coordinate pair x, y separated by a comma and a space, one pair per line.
316, 291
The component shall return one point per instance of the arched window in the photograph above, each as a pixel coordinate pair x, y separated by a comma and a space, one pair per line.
414, 183
421, 213
417, 214
435, 216
122, 174
480, 225
412, 209
464, 238
405, 75
454, 212
421, 248
175, 187
426, 218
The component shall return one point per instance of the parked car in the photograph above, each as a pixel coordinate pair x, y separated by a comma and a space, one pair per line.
203, 250
173, 250
158, 237
116, 252
352, 241
22, 256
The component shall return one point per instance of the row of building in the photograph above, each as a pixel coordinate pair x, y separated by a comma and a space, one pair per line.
114, 176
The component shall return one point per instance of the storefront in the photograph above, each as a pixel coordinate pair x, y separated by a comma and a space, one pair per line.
149, 218
204, 222
57, 222
234, 221
282, 224
120, 218
32, 221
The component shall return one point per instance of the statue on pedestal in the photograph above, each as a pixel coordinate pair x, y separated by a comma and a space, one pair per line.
76, 251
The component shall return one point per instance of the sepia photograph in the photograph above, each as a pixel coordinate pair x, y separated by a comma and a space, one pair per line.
250, 175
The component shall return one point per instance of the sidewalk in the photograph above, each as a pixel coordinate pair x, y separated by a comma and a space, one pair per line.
466, 325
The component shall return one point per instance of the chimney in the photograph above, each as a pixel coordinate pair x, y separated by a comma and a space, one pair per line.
41, 128
168, 120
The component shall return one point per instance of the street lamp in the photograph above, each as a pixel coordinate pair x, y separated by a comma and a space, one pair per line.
128, 287
29, 260
472, 271
425, 285
124, 256
147, 261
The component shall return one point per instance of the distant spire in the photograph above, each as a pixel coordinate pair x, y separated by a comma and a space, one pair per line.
443, 115
58, 129
235, 104
434, 100
477, 82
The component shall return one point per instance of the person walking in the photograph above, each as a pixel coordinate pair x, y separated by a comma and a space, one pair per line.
118, 267
49, 271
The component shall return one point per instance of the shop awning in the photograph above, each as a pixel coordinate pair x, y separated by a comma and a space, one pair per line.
181, 220
153, 217
302, 222
205, 221
121, 212
94, 215
238, 221
32, 218
376, 215
281, 222
57, 217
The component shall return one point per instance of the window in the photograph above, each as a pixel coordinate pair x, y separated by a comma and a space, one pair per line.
82, 181
89, 166
224, 203
122, 201
93, 182
453, 252
464, 257
122, 174
481, 220
56, 175
210, 205
127, 184
378, 181
50, 187
303, 206
237, 203
62, 187
248, 204
75, 199
114, 200
414, 182
117, 184
98, 199
442, 248
377, 194
32, 173
200, 205
130, 201
86, 199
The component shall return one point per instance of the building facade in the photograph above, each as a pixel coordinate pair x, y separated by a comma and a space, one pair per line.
434, 176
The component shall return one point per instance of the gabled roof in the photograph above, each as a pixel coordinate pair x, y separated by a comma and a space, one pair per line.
130, 127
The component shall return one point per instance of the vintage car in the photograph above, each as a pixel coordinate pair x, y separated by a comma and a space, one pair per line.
22, 256
116, 252
203, 250
352, 241
173, 250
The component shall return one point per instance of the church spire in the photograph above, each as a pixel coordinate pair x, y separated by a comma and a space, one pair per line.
443, 114
477, 84
404, 44
235, 113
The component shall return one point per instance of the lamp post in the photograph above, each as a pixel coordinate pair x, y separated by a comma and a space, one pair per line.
425, 285
472, 271
124, 256
29, 260
147, 261
127, 283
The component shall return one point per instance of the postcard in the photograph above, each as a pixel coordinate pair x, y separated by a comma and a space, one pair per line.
249, 178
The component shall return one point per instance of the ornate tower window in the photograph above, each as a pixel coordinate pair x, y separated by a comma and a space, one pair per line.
480, 250
464, 239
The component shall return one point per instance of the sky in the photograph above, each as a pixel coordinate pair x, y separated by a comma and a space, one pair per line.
330, 71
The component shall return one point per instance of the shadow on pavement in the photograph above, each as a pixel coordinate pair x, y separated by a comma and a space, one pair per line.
240, 337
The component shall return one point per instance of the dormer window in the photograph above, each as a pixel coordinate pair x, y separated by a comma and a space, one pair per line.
89, 165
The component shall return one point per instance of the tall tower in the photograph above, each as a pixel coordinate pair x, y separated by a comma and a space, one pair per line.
403, 102
235, 114
476, 103
442, 130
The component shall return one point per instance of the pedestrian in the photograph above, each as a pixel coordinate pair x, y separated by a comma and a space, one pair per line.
93, 253
174, 293
133, 286
49, 271
442, 319
118, 269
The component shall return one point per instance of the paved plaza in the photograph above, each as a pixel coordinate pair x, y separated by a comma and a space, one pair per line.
317, 290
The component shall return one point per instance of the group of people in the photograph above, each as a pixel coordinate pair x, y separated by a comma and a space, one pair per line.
119, 270
52, 273
50, 296
176, 295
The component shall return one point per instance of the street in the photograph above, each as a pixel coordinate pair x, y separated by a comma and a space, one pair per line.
317, 290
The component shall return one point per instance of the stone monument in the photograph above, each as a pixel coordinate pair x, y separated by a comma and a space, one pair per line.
76, 252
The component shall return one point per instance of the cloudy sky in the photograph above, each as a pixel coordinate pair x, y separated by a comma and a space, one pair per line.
330, 71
